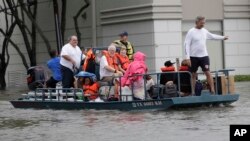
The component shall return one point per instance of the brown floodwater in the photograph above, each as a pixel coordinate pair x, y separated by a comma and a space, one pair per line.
194, 124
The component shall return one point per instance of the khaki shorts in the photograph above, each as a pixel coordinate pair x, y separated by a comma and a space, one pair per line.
111, 79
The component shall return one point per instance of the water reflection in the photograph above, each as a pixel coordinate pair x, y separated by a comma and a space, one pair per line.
13, 123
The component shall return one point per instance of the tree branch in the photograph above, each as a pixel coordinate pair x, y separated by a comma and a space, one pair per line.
39, 30
63, 17
87, 3
17, 49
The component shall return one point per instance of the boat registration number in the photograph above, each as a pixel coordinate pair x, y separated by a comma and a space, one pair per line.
143, 104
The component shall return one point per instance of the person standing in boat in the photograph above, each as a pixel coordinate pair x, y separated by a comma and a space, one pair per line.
54, 65
196, 50
70, 61
123, 42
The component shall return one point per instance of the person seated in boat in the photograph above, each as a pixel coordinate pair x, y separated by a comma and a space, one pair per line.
149, 82
165, 77
54, 65
131, 77
90, 88
123, 60
89, 62
109, 68
78, 82
185, 83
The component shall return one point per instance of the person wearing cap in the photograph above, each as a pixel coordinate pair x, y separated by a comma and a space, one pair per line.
196, 50
124, 42
168, 67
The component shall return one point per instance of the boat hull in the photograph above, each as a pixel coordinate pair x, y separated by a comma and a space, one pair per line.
159, 104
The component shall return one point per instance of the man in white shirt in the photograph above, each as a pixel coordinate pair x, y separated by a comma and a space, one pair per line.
196, 50
70, 61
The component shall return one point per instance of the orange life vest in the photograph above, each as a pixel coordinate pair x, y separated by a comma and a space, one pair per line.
89, 55
92, 90
166, 69
112, 61
183, 68
124, 60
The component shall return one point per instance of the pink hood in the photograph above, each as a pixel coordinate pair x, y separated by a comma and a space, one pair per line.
138, 66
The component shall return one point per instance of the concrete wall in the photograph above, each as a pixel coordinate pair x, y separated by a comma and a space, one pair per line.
155, 27
237, 49
211, 9
135, 17
237, 27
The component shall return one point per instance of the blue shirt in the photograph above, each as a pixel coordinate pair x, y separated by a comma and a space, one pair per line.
54, 66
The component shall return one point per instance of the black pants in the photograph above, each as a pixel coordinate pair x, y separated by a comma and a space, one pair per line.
51, 83
67, 77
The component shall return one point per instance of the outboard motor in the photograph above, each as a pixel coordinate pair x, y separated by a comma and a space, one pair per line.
36, 77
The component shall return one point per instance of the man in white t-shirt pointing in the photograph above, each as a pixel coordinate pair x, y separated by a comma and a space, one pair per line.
196, 50
70, 60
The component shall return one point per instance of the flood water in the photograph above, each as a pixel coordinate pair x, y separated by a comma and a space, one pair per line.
193, 124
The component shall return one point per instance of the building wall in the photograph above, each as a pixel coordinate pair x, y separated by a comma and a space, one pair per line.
237, 27
167, 31
155, 27
135, 17
211, 9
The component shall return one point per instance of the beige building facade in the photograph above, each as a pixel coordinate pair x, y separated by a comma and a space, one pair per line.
155, 27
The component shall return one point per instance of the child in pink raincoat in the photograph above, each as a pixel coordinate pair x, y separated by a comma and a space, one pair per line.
138, 66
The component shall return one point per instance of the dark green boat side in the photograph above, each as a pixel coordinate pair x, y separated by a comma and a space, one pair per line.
159, 104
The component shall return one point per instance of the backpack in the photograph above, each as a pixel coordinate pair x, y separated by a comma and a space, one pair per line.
155, 89
170, 90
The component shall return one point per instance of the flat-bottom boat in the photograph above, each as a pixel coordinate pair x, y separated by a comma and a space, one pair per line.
57, 99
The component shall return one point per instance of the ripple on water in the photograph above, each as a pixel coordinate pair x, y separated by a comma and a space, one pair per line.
203, 123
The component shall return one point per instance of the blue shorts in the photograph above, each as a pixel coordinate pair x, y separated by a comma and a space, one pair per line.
197, 62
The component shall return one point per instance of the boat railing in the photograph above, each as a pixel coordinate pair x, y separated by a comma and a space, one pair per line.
226, 73
63, 94
178, 80
56, 94
216, 74
158, 77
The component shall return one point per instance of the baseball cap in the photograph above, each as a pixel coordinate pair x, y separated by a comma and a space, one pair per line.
168, 63
124, 33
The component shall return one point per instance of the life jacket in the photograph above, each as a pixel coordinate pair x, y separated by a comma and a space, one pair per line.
92, 90
165, 77
183, 68
112, 61
167, 69
129, 48
89, 57
124, 60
